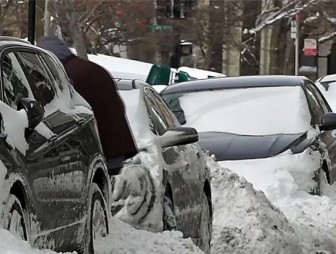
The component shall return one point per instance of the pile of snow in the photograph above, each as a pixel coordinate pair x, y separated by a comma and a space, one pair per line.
282, 176
286, 180
126, 240
123, 239
9, 244
244, 219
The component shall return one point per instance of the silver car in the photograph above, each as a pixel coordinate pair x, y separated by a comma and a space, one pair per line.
167, 185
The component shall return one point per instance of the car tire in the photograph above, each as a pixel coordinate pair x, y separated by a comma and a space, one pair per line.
16, 218
169, 219
205, 228
98, 219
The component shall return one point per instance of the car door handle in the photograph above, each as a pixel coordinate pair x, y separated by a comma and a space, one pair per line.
53, 138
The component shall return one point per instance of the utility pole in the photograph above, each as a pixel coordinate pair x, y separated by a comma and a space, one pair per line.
31, 21
297, 36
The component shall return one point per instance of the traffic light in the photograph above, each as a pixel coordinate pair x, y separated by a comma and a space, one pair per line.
183, 48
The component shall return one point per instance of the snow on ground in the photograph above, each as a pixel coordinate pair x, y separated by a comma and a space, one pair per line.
286, 181
126, 240
123, 240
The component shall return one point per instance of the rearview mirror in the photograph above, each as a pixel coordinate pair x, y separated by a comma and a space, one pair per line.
178, 136
328, 122
34, 110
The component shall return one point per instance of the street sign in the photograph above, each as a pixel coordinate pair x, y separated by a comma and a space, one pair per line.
310, 47
157, 27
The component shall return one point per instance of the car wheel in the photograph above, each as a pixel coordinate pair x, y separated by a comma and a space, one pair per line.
16, 218
169, 220
98, 219
205, 228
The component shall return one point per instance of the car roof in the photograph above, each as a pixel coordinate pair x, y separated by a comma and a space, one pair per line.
6, 41
235, 82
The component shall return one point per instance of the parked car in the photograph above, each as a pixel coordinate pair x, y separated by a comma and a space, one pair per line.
253, 117
327, 86
170, 186
54, 186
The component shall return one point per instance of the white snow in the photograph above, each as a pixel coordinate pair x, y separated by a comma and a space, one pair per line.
123, 68
243, 111
200, 74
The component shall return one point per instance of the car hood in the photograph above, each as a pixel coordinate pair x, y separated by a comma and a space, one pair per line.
229, 146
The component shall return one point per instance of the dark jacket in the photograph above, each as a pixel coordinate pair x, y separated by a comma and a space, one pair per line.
98, 88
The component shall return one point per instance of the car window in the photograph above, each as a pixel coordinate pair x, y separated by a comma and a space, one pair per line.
160, 118
164, 109
15, 83
315, 107
321, 100
173, 102
58, 73
37, 76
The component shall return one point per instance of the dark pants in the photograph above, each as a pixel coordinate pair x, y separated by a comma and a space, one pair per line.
114, 165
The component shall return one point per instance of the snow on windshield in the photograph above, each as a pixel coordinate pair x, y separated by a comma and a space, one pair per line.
253, 111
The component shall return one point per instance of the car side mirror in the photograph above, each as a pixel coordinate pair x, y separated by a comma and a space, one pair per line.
328, 122
178, 136
34, 110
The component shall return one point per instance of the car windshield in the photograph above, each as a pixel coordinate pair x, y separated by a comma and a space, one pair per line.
248, 111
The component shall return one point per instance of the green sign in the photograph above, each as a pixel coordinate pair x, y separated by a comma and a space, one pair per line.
157, 27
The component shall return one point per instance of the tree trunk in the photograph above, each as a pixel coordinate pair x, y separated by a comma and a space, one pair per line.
39, 19
47, 19
216, 35
75, 29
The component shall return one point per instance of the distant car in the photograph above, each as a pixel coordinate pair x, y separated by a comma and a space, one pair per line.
176, 187
54, 186
254, 117
327, 86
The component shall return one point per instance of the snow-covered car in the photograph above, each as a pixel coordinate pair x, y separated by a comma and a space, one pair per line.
256, 117
167, 185
54, 185
327, 86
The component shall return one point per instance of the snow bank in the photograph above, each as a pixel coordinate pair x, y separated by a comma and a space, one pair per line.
126, 240
9, 244
244, 220
286, 180
282, 176
123, 239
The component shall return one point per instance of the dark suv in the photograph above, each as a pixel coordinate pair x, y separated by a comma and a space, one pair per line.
53, 180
